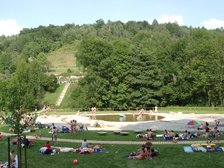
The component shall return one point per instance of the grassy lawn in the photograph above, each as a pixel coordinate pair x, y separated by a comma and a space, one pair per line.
63, 57
67, 101
4, 128
170, 156
93, 135
110, 136
51, 98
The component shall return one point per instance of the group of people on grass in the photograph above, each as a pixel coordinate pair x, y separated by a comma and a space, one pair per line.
209, 133
76, 127
201, 131
83, 149
145, 152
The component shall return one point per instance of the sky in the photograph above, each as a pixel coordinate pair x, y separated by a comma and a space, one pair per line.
18, 14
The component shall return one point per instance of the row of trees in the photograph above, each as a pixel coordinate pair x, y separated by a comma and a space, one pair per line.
158, 65
127, 64
24, 89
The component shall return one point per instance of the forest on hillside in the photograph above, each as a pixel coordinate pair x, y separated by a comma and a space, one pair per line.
126, 65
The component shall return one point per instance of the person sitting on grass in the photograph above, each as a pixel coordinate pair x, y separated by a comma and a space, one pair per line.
150, 134
141, 154
26, 143
48, 148
198, 133
217, 135
146, 152
184, 136
166, 134
84, 144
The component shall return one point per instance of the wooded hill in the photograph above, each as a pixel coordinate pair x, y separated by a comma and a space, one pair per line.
133, 64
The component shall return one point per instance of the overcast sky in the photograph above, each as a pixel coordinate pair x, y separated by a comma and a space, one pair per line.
18, 14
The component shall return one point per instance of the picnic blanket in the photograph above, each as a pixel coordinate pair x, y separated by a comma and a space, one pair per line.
64, 149
199, 149
188, 149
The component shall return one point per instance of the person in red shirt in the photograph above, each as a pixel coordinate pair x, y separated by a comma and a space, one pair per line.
207, 129
48, 146
207, 134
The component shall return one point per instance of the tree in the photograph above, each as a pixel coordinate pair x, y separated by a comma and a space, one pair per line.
143, 79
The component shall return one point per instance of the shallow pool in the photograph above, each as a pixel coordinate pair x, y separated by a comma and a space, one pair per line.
127, 117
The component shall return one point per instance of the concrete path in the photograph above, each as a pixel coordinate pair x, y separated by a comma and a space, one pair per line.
62, 95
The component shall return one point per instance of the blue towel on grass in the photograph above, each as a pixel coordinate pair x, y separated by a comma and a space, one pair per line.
202, 149
188, 149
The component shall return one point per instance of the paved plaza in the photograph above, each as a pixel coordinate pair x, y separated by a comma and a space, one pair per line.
171, 121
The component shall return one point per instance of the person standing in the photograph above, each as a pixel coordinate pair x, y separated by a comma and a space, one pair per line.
156, 109
54, 135
12, 159
71, 126
93, 109
51, 130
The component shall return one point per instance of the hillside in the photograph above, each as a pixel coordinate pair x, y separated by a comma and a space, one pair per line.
63, 59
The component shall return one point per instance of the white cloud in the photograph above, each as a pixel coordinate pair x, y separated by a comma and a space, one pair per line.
171, 19
213, 23
9, 27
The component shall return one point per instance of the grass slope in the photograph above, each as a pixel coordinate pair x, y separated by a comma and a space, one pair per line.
51, 98
66, 103
63, 57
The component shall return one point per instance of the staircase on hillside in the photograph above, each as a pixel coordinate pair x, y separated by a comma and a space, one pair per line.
62, 95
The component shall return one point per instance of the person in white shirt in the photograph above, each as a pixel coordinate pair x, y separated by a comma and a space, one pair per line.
84, 144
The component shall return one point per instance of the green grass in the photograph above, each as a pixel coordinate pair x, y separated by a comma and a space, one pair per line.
110, 136
4, 128
93, 135
63, 57
67, 99
51, 98
115, 156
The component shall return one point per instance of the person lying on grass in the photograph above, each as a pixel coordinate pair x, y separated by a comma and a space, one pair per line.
150, 135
